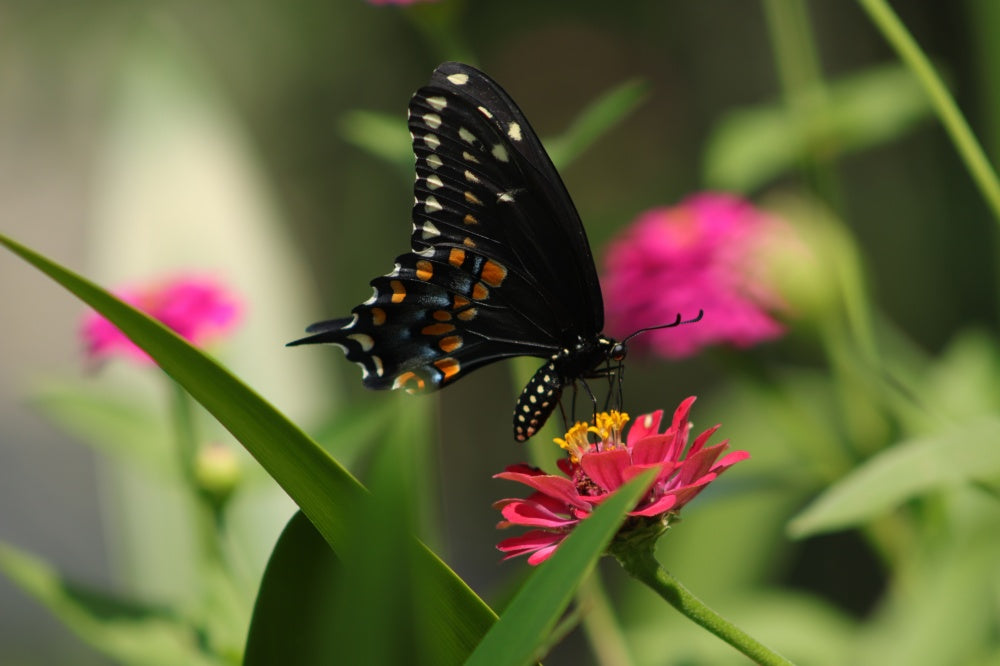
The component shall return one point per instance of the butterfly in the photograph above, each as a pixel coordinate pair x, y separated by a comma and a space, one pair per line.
499, 266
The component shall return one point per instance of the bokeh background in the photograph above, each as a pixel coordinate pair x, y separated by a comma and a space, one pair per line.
141, 138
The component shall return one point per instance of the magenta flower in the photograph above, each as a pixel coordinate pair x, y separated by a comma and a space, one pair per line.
196, 308
702, 254
599, 463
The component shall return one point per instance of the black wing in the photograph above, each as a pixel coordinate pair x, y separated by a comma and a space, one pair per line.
500, 264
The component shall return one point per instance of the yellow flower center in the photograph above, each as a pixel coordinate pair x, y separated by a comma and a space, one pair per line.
607, 431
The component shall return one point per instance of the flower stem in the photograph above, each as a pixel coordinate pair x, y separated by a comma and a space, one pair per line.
640, 563
954, 122
797, 62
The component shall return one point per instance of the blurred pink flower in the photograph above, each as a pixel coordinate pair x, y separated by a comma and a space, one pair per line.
196, 308
599, 463
702, 254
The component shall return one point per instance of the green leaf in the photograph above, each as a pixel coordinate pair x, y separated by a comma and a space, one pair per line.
325, 492
383, 135
964, 455
599, 116
296, 601
131, 632
525, 625
116, 425
754, 145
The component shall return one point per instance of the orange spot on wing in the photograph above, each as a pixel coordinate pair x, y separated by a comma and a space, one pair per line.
456, 257
467, 315
378, 316
473, 199
398, 291
480, 292
425, 270
493, 273
470, 219
441, 315
468, 242
410, 382
448, 366
460, 302
450, 343
437, 329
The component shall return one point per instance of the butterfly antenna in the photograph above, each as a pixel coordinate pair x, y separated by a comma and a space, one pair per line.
676, 322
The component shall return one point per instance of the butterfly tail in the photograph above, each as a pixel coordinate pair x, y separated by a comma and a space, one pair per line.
324, 332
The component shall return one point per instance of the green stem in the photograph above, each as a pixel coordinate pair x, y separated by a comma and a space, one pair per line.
638, 560
954, 122
797, 62
208, 519
600, 624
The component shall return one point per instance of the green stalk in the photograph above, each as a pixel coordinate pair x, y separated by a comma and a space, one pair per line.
797, 63
954, 122
639, 562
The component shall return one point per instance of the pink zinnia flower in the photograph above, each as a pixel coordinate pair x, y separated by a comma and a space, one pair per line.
600, 461
702, 254
196, 308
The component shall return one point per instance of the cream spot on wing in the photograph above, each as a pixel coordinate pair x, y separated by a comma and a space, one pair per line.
514, 131
432, 120
437, 103
466, 135
459, 79
432, 205
365, 341
500, 152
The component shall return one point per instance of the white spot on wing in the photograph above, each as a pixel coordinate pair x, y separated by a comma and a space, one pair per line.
486, 112
469, 157
514, 131
437, 103
433, 161
364, 370
432, 205
428, 230
350, 324
379, 369
505, 197
432, 141
500, 152
365, 341
471, 177
466, 135
432, 120
434, 182
459, 79
372, 298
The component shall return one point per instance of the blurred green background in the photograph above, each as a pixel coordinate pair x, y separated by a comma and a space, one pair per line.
140, 137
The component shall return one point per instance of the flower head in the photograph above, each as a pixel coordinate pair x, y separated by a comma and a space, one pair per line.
701, 254
196, 308
601, 459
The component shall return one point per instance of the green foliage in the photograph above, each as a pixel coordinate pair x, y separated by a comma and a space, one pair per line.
752, 146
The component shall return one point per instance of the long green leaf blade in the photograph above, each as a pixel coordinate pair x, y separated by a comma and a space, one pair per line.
324, 491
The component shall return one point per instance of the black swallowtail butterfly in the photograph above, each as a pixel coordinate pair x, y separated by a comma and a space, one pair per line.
500, 265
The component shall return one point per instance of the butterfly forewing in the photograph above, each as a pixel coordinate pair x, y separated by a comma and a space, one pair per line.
499, 264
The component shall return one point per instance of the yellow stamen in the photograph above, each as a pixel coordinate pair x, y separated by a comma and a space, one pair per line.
607, 428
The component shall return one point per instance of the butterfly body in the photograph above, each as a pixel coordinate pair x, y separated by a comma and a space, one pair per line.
499, 264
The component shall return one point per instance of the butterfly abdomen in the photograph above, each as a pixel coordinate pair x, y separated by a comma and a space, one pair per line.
537, 401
